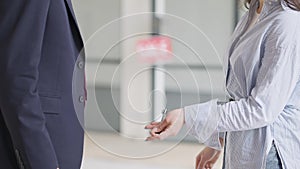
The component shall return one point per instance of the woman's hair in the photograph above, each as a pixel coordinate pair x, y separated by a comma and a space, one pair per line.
293, 4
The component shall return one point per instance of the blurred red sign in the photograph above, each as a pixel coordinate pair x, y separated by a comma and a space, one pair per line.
156, 49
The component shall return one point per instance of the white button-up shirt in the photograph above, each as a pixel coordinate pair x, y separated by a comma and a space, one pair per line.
262, 69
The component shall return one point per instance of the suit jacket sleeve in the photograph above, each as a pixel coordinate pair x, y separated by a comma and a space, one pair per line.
22, 25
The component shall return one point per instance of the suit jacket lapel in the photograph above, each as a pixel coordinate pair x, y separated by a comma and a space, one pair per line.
70, 7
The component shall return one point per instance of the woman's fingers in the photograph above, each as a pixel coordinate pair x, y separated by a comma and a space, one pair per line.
201, 165
209, 165
152, 125
207, 158
170, 126
152, 138
159, 132
198, 160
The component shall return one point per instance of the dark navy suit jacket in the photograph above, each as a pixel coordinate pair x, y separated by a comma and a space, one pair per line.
39, 59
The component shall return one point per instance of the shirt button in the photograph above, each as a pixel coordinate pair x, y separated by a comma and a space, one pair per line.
81, 99
80, 65
270, 3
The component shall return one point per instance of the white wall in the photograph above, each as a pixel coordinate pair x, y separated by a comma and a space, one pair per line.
202, 30
98, 22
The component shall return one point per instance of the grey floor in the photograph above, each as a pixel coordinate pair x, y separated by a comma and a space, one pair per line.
111, 151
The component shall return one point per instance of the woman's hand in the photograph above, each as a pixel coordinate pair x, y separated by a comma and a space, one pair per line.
207, 158
170, 126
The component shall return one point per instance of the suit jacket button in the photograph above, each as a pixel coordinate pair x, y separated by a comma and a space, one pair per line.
80, 64
81, 99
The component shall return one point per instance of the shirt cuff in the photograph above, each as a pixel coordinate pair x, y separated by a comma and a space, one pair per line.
202, 121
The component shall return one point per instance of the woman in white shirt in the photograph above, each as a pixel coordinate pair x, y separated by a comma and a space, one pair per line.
261, 123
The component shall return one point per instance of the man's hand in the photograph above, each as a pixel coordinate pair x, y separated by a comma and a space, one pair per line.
207, 157
170, 126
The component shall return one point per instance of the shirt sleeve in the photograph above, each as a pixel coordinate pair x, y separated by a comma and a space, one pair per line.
275, 82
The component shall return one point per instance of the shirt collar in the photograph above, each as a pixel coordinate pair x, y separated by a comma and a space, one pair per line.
269, 5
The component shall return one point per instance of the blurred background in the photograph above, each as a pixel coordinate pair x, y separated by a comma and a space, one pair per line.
143, 56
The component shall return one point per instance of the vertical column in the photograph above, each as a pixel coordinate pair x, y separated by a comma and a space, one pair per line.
135, 76
159, 94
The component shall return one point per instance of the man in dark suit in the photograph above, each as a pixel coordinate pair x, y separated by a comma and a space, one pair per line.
40, 57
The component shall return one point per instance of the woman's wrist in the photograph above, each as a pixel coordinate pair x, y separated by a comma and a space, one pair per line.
182, 114
221, 141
